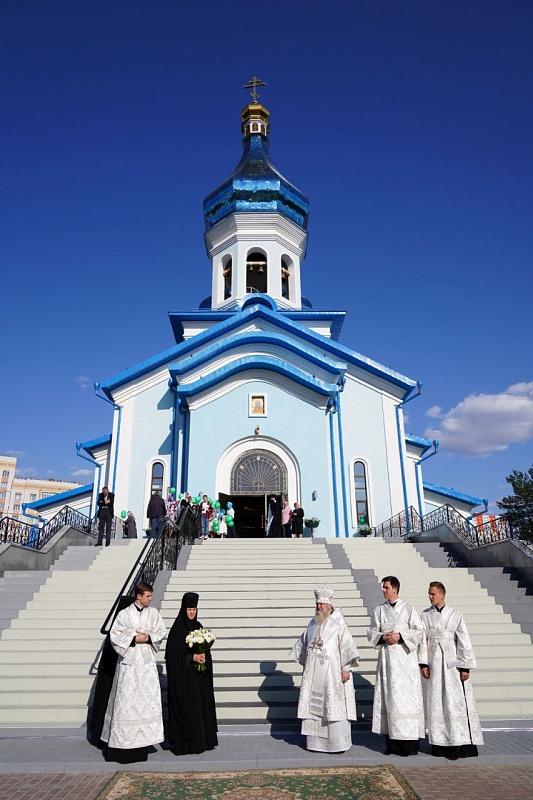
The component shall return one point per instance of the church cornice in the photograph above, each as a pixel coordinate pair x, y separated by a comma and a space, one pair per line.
253, 227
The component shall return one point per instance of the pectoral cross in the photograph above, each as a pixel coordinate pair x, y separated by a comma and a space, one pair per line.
252, 84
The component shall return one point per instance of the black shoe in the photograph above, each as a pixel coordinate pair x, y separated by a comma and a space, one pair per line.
107, 544
98, 544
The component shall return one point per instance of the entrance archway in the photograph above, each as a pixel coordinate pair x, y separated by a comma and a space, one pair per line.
255, 475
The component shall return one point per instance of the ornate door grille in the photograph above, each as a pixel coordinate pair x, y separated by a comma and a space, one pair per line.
257, 472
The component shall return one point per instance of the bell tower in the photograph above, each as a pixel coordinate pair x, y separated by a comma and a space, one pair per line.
256, 223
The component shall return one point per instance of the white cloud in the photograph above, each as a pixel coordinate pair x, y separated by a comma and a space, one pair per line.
82, 473
26, 472
84, 382
434, 412
482, 424
14, 453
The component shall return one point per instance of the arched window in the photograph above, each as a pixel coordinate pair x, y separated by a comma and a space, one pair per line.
256, 272
257, 472
361, 493
158, 472
285, 275
227, 265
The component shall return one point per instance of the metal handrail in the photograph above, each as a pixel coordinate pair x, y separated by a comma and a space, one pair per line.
30, 535
401, 524
161, 551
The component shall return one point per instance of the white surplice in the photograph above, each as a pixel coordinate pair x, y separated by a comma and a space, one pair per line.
452, 718
326, 704
134, 716
398, 705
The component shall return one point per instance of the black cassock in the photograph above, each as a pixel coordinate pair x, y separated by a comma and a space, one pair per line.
191, 700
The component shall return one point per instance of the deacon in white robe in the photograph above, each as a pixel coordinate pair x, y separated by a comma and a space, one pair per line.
396, 633
327, 652
134, 719
446, 658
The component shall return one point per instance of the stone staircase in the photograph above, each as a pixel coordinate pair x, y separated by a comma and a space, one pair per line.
503, 584
503, 682
257, 596
49, 651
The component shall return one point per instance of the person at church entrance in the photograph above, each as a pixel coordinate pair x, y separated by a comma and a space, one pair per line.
297, 521
396, 633
156, 511
133, 720
205, 514
274, 529
446, 657
130, 526
191, 699
106, 512
327, 652
286, 519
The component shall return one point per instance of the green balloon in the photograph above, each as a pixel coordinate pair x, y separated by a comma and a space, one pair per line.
230, 522
123, 514
216, 525
217, 504
196, 500
172, 490
180, 496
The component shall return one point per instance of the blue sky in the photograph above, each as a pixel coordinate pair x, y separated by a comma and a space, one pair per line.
407, 124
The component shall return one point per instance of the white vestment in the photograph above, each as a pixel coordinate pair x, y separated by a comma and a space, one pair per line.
452, 718
398, 705
326, 704
134, 715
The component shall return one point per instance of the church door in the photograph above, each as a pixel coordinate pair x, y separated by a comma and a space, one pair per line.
255, 475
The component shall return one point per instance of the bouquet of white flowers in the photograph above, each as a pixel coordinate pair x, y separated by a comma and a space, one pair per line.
201, 640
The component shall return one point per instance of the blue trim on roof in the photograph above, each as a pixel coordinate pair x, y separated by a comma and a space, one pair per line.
442, 490
50, 501
186, 390
278, 320
336, 368
92, 444
419, 441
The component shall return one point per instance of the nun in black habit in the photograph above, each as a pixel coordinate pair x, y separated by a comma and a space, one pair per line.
191, 700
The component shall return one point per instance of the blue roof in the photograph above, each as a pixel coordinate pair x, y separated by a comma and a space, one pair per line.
256, 185
281, 322
419, 441
442, 490
49, 501
92, 444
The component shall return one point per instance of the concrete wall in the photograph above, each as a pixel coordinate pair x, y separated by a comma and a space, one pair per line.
16, 557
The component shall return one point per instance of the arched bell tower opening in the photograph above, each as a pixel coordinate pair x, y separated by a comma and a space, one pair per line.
227, 276
256, 272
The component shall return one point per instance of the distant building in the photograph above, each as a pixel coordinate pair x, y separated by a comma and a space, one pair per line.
16, 491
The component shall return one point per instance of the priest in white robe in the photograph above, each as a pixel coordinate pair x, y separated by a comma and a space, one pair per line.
446, 658
396, 633
133, 721
327, 652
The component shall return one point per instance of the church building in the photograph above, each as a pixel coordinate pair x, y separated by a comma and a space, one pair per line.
257, 395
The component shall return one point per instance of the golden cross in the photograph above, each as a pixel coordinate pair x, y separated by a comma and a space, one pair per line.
252, 84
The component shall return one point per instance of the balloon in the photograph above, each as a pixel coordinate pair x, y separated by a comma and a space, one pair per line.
229, 522
217, 504
228, 518
209, 500
196, 500
216, 525
172, 490
229, 505
123, 515
180, 496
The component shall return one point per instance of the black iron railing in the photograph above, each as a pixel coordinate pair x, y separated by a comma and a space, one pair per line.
403, 524
160, 552
29, 534
496, 530
448, 515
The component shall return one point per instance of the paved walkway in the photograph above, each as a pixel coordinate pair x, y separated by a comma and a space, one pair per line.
61, 764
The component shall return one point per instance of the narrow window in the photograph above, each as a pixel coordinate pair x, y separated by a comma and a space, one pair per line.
256, 272
227, 267
158, 472
285, 275
361, 493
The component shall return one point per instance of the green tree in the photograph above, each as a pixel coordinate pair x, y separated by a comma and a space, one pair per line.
518, 507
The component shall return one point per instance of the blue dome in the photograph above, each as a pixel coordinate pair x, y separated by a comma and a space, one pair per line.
257, 186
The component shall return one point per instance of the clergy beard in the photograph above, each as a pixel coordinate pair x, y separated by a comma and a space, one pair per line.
321, 616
